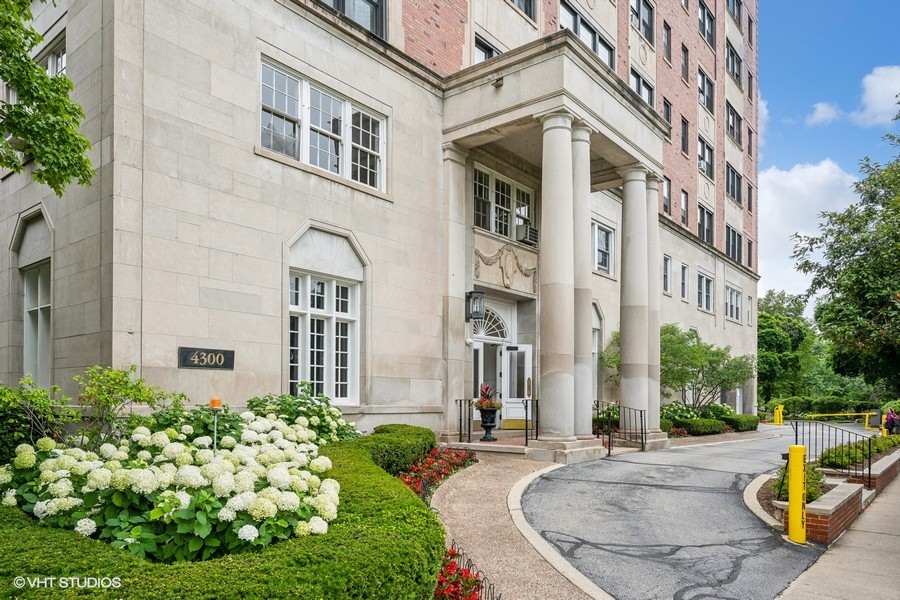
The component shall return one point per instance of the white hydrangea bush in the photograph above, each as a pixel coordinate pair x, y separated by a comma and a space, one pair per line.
167, 497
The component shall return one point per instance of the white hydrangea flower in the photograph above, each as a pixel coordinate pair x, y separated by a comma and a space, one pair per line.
187, 430
120, 455
57, 505
279, 477
145, 456
302, 421
249, 436
61, 488
140, 431
248, 533
301, 529
120, 479
172, 450
86, 527
244, 481
241, 502
40, 509
190, 476
288, 501
45, 444
223, 485
76, 453
184, 498
9, 498
112, 465
203, 456
24, 460
248, 416
160, 439
228, 442
204, 441
227, 514
260, 425
314, 420
24, 449
143, 481
48, 476
318, 526
183, 459
299, 485
329, 485
261, 509
320, 464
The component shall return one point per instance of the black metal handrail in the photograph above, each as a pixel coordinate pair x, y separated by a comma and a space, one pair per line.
532, 407
464, 421
842, 446
619, 422
487, 589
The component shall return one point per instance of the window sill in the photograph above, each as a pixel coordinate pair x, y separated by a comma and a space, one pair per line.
665, 293
706, 310
506, 240
605, 275
523, 14
296, 164
734, 321
641, 34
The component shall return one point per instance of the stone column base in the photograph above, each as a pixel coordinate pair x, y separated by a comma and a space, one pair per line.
565, 452
657, 440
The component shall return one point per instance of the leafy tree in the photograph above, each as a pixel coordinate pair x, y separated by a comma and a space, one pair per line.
43, 121
783, 349
782, 303
854, 266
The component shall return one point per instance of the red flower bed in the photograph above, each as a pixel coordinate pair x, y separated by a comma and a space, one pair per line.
456, 582
426, 474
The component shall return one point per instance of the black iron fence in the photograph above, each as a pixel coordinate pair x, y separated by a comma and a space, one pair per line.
623, 423
464, 408
532, 418
487, 590
836, 448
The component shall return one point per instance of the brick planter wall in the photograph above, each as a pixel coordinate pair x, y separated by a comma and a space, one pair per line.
883, 472
829, 516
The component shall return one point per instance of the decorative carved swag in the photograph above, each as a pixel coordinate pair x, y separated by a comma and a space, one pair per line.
509, 264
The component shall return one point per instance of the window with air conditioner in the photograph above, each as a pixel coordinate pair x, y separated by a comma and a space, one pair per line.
503, 206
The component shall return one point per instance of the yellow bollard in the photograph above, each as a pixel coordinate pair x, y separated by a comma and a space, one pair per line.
797, 494
778, 418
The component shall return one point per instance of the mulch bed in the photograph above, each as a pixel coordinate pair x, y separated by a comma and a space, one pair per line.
766, 495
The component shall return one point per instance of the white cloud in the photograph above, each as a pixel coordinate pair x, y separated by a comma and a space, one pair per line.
763, 121
879, 97
823, 113
790, 201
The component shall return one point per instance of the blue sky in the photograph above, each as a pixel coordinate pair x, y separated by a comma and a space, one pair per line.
829, 71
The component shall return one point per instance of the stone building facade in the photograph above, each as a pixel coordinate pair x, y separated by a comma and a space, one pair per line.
316, 185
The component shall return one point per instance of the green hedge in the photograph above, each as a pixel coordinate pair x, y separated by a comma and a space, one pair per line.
666, 425
814, 480
701, 426
395, 447
385, 543
742, 422
846, 455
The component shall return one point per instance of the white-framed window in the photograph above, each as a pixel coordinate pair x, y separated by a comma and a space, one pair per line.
705, 91
732, 303
308, 123
37, 323
642, 87
571, 19
749, 310
603, 249
734, 244
323, 341
642, 18
707, 24
667, 116
704, 292
685, 285
705, 157
501, 204
733, 183
54, 59
735, 7
704, 224
667, 195
734, 124
667, 274
684, 207
733, 64
483, 50
526, 6
369, 14
667, 42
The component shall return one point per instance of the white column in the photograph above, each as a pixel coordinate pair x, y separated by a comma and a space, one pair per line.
581, 236
557, 274
654, 268
633, 291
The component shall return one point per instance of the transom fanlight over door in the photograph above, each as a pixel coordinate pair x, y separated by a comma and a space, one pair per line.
491, 326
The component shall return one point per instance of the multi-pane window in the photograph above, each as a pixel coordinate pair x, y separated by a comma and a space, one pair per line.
749, 253
707, 23
749, 310
733, 63
749, 142
750, 31
705, 91
685, 4
667, 42
704, 292
369, 14
642, 87
667, 195
749, 198
733, 183
311, 125
37, 323
667, 274
732, 303
684, 207
667, 115
684, 282
526, 6
704, 224
483, 50
54, 61
323, 335
705, 156
734, 244
571, 19
735, 8
603, 248
501, 205
642, 18
684, 135
734, 124
750, 86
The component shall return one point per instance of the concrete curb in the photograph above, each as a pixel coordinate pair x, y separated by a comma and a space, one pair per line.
755, 507
768, 437
514, 504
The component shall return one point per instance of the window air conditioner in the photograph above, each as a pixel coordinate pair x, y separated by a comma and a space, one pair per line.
527, 234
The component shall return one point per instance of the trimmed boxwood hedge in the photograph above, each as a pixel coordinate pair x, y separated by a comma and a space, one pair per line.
742, 422
385, 543
395, 447
701, 426
666, 425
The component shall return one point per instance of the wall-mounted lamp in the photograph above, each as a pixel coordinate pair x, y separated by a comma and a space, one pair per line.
474, 305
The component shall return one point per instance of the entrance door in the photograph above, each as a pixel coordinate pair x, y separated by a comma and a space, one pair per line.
515, 378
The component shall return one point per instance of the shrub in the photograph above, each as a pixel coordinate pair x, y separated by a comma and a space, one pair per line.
830, 405
677, 410
847, 455
742, 422
395, 447
323, 418
814, 479
194, 422
385, 544
701, 426
28, 413
794, 406
173, 501
679, 432
895, 404
715, 411
666, 425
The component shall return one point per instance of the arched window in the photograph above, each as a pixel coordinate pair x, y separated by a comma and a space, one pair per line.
491, 326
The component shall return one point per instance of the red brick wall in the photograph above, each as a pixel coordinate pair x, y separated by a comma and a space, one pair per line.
878, 481
551, 16
435, 33
826, 528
